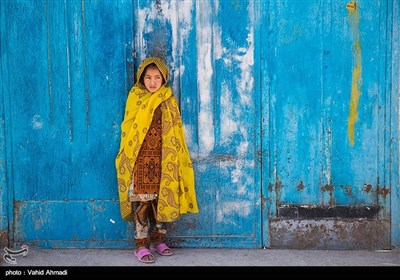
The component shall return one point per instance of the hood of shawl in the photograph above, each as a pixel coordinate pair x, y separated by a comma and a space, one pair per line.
160, 65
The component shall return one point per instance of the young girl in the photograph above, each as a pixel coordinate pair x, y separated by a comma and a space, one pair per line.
154, 169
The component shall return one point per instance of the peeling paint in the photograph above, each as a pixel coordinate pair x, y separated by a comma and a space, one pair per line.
300, 186
204, 45
179, 14
329, 188
270, 187
348, 189
356, 76
328, 156
263, 201
367, 188
229, 124
227, 177
330, 233
37, 123
278, 187
240, 208
383, 191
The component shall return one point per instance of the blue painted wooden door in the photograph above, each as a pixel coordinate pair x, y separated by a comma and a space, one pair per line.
281, 102
328, 117
213, 75
65, 103
67, 74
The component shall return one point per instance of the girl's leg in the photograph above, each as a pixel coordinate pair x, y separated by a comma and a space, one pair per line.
141, 219
158, 232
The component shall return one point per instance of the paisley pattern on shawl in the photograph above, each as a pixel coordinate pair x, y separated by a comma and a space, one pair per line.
177, 188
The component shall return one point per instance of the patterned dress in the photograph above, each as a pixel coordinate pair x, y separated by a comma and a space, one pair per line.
147, 169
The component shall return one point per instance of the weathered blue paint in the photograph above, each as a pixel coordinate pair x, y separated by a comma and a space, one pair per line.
68, 80
264, 89
268, 197
216, 93
393, 175
4, 187
314, 63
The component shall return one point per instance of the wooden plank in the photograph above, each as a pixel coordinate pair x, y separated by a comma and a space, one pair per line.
78, 224
65, 114
296, 100
394, 21
311, 91
355, 103
33, 145
5, 183
98, 49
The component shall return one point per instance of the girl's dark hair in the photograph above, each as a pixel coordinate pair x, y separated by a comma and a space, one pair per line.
150, 66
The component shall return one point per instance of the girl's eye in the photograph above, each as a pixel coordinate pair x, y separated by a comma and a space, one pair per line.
149, 78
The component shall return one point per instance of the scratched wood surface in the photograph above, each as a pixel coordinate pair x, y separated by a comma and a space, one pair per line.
67, 85
327, 100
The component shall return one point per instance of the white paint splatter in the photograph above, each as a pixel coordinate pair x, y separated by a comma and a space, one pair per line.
229, 208
189, 130
204, 73
37, 123
230, 112
216, 6
242, 148
142, 22
246, 58
203, 168
241, 177
219, 50
180, 17
328, 153
229, 125
178, 14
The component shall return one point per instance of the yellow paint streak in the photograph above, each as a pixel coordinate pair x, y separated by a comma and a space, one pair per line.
356, 76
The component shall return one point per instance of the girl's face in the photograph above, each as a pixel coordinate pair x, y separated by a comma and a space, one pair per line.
152, 79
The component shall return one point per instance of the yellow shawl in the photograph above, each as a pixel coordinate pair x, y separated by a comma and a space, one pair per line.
177, 189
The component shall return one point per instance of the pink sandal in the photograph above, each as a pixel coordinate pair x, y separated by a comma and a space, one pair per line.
140, 254
160, 249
